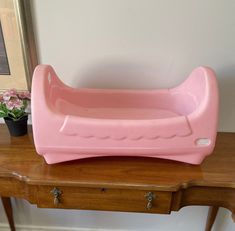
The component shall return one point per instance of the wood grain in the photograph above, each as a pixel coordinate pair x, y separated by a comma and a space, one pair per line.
104, 199
24, 174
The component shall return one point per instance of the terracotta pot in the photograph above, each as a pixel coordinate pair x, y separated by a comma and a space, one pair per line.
17, 128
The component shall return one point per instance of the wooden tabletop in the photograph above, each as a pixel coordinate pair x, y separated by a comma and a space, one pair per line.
18, 159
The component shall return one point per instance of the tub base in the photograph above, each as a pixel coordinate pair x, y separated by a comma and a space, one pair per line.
193, 158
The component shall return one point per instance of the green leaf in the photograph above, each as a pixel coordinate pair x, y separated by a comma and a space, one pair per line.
2, 114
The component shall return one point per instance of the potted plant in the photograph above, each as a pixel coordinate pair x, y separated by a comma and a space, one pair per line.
13, 108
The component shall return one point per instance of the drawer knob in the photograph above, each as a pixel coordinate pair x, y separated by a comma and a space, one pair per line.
149, 197
57, 193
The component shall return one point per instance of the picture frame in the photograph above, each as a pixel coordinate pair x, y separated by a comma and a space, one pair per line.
17, 45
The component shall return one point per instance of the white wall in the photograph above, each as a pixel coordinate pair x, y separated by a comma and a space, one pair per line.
188, 219
135, 44
139, 43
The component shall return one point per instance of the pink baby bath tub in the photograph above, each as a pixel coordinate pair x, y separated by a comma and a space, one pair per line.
178, 123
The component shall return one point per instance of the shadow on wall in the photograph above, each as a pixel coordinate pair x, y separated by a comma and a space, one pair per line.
131, 75
120, 74
226, 81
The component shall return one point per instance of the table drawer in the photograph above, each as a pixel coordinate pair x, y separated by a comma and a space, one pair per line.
104, 199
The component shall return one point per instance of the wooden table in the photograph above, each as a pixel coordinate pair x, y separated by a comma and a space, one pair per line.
117, 183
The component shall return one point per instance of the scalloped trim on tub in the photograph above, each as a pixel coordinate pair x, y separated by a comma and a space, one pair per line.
125, 129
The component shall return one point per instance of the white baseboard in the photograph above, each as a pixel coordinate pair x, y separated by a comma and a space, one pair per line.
5, 227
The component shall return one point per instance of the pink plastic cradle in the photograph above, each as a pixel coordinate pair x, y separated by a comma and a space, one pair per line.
178, 123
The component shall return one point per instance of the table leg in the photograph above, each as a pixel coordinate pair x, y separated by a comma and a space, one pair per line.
6, 201
213, 210
233, 216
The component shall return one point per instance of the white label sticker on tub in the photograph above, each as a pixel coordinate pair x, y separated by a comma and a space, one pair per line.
203, 141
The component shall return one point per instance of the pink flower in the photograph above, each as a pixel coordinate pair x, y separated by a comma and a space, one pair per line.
14, 104
19, 104
9, 93
6, 96
24, 95
10, 105
13, 92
